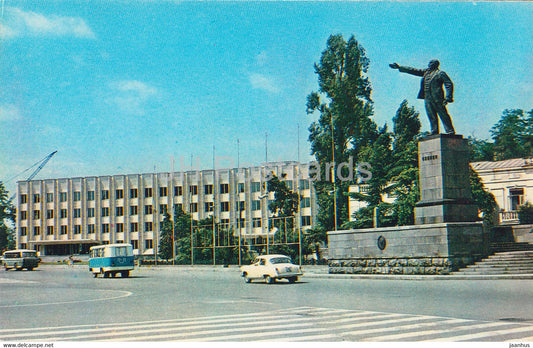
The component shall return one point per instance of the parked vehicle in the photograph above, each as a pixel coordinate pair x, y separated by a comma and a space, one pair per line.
21, 258
111, 259
271, 268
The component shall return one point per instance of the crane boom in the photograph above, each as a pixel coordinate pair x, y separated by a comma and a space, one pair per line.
43, 163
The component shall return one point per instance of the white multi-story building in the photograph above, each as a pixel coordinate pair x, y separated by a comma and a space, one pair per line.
68, 215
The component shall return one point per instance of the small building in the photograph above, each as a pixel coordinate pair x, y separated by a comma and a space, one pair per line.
511, 183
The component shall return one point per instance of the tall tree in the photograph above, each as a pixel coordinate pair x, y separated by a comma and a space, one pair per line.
509, 134
7, 218
166, 238
403, 175
344, 126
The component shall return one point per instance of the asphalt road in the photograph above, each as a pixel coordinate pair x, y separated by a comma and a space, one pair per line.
59, 295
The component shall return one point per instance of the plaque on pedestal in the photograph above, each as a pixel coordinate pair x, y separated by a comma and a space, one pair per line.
445, 193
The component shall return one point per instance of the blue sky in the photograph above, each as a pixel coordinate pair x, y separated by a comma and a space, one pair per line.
123, 87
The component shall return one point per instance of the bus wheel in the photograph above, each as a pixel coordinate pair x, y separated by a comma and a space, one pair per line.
106, 274
125, 274
95, 275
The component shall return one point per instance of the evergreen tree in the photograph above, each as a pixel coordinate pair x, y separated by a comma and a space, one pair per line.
509, 136
344, 126
166, 238
7, 218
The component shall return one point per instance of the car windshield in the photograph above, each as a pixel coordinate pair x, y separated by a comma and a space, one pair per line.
280, 260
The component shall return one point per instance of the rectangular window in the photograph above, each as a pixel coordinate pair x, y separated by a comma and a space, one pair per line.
105, 194
77, 229
133, 210
194, 207
148, 244
148, 192
36, 198
90, 195
224, 206
77, 196
90, 228
304, 184
256, 186
306, 221
133, 193
242, 206
178, 191
193, 190
64, 229
120, 227
37, 230
242, 223
134, 227
119, 194
148, 226
148, 209
208, 189
63, 214
135, 243
49, 197
77, 212
90, 212
288, 183
105, 228
305, 202
50, 230
36, 214
23, 199
516, 197
256, 222
225, 223
256, 205
50, 214
163, 208
119, 211
23, 231
240, 187
23, 215
208, 206
105, 211
224, 188
163, 192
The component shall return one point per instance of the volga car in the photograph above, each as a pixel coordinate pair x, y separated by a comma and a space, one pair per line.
21, 258
271, 268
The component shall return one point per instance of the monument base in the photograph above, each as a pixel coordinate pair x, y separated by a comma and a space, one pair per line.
445, 211
421, 249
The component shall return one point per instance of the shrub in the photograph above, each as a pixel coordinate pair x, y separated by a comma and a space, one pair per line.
525, 213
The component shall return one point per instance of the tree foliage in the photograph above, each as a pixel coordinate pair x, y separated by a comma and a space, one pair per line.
344, 126
7, 218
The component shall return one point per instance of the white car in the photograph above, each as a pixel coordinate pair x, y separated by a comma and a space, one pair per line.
271, 268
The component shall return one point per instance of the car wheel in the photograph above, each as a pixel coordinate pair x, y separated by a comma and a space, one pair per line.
269, 279
125, 274
292, 279
246, 279
106, 274
95, 275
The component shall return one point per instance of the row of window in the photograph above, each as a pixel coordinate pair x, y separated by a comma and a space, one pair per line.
148, 209
134, 227
148, 192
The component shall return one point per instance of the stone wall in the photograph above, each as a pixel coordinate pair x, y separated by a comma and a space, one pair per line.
421, 249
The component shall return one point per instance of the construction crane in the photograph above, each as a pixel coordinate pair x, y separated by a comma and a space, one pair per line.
41, 165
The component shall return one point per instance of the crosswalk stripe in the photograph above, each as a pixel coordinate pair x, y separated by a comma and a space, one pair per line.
489, 334
404, 327
432, 332
290, 324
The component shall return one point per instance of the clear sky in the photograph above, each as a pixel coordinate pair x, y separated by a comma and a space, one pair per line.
121, 87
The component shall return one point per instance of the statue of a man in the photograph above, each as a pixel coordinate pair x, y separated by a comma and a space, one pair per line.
433, 94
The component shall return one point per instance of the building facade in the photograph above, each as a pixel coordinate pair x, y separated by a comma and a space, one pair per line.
69, 215
511, 183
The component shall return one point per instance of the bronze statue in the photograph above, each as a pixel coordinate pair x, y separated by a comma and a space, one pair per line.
433, 94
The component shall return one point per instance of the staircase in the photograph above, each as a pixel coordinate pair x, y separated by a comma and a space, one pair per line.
508, 258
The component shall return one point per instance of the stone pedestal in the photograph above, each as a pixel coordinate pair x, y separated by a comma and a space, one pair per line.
445, 194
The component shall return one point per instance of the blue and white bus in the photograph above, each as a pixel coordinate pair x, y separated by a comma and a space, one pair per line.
111, 259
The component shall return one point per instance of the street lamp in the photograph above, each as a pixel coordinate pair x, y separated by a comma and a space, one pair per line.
267, 231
